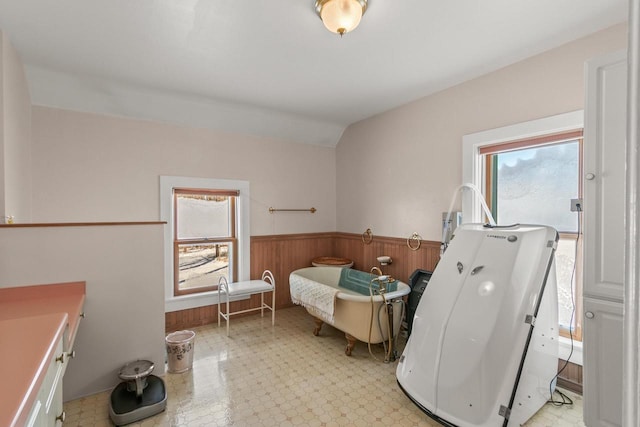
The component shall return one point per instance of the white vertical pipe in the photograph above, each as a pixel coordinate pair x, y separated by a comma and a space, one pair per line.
631, 360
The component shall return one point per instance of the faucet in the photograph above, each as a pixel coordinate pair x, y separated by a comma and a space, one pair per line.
381, 278
376, 270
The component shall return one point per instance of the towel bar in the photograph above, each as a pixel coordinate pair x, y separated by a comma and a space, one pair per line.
312, 210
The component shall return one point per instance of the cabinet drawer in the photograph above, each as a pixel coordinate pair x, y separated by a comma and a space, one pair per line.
53, 378
36, 416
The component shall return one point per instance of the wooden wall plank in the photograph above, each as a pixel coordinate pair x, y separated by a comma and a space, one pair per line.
283, 254
571, 376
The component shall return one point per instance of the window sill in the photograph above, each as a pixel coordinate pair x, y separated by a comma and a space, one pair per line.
565, 349
185, 302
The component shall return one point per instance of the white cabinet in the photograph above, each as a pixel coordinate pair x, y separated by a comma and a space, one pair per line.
43, 320
604, 238
602, 352
36, 415
55, 415
47, 409
604, 173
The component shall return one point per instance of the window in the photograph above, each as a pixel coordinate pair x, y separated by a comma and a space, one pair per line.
474, 165
205, 242
532, 181
207, 232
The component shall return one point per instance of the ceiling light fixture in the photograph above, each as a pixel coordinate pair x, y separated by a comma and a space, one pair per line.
341, 16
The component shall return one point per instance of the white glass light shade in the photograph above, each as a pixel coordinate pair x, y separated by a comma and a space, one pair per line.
341, 16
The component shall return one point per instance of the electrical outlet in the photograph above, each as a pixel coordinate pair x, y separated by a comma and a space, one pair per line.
576, 205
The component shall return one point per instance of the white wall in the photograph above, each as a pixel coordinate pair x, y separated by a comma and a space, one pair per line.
88, 167
15, 136
124, 305
396, 172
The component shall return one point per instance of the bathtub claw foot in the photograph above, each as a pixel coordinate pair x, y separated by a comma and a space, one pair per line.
319, 323
351, 342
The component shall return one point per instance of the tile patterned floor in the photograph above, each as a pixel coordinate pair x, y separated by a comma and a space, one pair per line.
284, 376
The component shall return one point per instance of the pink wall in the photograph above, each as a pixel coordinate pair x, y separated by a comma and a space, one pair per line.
124, 305
15, 136
396, 172
90, 167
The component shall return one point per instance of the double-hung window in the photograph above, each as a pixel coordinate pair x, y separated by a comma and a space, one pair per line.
205, 238
533, 181
529, 172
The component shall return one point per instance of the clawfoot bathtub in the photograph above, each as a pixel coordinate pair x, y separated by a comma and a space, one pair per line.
352, 311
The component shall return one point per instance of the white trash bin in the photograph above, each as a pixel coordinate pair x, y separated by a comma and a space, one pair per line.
180, 347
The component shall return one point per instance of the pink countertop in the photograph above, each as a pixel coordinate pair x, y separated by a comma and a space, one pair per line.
32, 320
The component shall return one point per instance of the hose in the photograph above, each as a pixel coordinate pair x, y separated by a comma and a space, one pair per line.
386, 309
371, 319
384, 304
392, 344
402, 312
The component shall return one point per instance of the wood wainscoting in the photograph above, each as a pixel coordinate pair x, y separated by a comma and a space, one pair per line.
285, 253
571, 376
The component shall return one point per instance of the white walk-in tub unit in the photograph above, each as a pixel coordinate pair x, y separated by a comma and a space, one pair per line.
483, 350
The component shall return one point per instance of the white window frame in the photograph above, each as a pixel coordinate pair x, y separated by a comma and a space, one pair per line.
472, 168
167, 184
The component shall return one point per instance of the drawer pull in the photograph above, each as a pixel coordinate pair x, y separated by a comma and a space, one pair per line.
60, 358
61, 417
82, 314
71, 355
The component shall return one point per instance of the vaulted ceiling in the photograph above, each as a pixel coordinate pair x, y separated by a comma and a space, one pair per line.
270, 68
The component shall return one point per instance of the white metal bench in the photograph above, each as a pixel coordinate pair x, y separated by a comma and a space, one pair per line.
247, 288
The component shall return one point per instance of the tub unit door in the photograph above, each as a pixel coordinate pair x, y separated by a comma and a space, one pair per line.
474, 322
